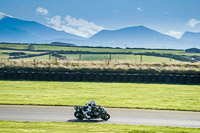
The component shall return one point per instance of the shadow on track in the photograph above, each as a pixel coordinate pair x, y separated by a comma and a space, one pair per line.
85, 121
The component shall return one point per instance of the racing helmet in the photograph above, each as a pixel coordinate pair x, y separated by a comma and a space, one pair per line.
92, 103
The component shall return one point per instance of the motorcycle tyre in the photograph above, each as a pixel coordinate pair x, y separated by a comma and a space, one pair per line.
76, 115
106, 117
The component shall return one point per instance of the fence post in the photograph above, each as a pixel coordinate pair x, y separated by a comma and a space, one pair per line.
49, 56
79, 56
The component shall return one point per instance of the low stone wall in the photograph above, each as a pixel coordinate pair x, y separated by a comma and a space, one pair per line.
100, 77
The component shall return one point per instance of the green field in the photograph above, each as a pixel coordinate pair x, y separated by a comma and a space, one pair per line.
92, 57
100, 57
14, 46
63, 127
126, 95
50, 47
4, 54
135, 58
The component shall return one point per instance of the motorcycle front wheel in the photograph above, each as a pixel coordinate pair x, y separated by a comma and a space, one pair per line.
78, 115
105, 117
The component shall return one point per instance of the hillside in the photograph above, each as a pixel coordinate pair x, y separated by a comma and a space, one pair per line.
138, 36
16, 30
20, 31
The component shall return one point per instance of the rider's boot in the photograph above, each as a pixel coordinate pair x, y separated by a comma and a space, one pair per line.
87, 116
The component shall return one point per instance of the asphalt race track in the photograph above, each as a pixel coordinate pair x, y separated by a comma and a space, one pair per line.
118, 116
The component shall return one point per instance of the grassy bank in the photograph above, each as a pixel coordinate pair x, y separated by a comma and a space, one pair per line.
109, 66
127, 95
61, 127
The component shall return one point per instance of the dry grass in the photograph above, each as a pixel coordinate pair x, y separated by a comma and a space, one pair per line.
114, 65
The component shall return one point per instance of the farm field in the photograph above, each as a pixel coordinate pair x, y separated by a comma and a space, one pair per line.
90, 57
66, 48
14, 46
63, 127
135, 58
125, 95
51, 47
93, 57
4, 54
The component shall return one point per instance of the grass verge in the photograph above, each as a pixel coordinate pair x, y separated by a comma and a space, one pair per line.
104, 65
126, 95
62, 127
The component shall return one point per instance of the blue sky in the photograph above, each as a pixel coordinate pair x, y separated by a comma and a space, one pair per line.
86, 17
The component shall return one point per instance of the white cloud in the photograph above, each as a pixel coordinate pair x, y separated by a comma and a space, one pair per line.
42, 11
175, 34
139, 8
55, 22
193, 22
75, 26
3, 15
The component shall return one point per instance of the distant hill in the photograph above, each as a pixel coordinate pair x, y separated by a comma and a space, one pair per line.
192, 50
63, 44
16, 30
138, 36
191, 39
13, 30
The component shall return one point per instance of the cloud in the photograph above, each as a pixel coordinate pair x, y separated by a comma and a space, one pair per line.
55, 22
139, 8
193, 22
175, 34
75, 26
42, 11
3, 15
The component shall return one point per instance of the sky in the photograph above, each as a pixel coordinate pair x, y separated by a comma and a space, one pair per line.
87, 17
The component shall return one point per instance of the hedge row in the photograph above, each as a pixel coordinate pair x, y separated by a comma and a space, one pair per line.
100, 77
28, 56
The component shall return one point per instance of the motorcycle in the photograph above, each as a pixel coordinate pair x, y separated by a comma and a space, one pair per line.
97, 112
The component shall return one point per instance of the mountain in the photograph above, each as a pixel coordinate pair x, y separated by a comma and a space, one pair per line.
138, 36
21, 31
191, 39
16, 30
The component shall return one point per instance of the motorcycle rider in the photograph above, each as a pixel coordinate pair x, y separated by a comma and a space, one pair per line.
88, 108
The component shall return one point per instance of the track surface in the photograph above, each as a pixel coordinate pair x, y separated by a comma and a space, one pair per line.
118, 116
